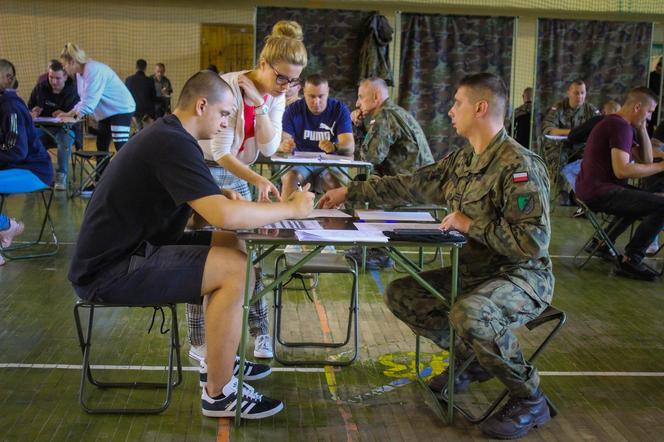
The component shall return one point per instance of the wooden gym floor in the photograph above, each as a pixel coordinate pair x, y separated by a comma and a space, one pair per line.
605, 371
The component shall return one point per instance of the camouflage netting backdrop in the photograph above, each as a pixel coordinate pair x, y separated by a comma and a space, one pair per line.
611, 57
439, 50
333, 39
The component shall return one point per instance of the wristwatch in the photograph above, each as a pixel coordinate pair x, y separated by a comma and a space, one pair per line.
261, 110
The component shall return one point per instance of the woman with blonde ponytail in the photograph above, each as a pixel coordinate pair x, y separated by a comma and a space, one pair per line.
103, 95
254, 127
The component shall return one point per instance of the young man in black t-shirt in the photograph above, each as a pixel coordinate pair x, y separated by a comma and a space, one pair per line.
132, 247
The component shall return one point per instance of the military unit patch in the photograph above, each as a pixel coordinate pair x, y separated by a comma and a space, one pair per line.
525, 203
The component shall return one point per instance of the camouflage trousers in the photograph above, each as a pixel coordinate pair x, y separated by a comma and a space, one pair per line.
483, 316
556, 155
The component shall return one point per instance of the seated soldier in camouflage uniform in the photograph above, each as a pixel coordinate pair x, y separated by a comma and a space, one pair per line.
392, 140
561, 118
498, 195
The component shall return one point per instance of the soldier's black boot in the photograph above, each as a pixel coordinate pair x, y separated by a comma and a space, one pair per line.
518, 417
474, 373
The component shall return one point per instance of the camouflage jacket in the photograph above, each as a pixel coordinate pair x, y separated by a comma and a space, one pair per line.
394, 142
562, 116
524, 109
504, 190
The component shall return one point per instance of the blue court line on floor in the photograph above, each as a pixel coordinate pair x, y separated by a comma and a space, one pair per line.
376, 276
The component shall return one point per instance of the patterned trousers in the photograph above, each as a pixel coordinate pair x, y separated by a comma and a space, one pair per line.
258, 319
483, 316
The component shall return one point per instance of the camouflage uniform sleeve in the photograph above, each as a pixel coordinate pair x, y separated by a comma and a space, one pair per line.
552, 119
379, 138
423, 186
523, 229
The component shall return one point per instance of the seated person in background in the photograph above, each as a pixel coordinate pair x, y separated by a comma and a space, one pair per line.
607, 164
316, 124
57, 95
522, 114
20, 147
498, 196
580, 135
163, 90
394, 142
132, 247
561, 118
143, 91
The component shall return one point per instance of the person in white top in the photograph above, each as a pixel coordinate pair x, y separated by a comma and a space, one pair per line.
254, 127
102, 94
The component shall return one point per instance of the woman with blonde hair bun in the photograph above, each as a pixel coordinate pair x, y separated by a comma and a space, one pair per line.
103, 95
254, 127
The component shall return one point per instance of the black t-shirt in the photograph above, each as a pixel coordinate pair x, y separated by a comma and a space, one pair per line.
142, 196
42, 95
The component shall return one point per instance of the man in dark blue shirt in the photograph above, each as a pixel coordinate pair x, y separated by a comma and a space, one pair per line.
50, 98
316, 124
132, 248
142, 89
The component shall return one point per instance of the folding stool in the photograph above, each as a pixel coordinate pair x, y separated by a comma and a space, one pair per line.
85, 342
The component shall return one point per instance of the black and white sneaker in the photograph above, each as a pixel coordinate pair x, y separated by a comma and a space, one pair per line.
252, 371
254, 405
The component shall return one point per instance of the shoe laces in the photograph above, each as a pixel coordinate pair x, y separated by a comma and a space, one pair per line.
249, 392
263, 342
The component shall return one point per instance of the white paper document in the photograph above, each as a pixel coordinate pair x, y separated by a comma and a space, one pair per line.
390, 227
382, 215
340, 235
295, 224
328, 213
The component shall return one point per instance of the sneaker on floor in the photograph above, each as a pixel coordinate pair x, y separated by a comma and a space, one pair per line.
293, 248
7, 235
329, 249
377, 259
254, 405
263, 347
87, 191
60, 181
653, 248
197, 352
517, 417
2, 260
631, 269
603, 251
580, 213
252, 371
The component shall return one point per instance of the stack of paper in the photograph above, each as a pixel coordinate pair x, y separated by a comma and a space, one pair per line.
382, 215
390, 227
341, 235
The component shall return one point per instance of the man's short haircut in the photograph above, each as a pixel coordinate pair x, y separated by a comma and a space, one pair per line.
56, 66
528, 92
8, 66
162, 66
205, 84
578, 82
640, 95
489, 87
612, 106
315, 80
141, 64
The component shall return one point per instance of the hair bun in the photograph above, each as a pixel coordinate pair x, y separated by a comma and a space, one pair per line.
287, 28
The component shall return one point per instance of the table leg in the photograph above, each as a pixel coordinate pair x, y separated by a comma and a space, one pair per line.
248, 288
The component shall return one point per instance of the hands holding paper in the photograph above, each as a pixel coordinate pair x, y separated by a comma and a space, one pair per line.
333, 198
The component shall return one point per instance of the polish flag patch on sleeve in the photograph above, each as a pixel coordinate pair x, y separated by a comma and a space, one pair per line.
520, 177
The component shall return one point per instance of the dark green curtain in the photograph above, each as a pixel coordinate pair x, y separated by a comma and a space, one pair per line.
333, 39
439, 50
611, 57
